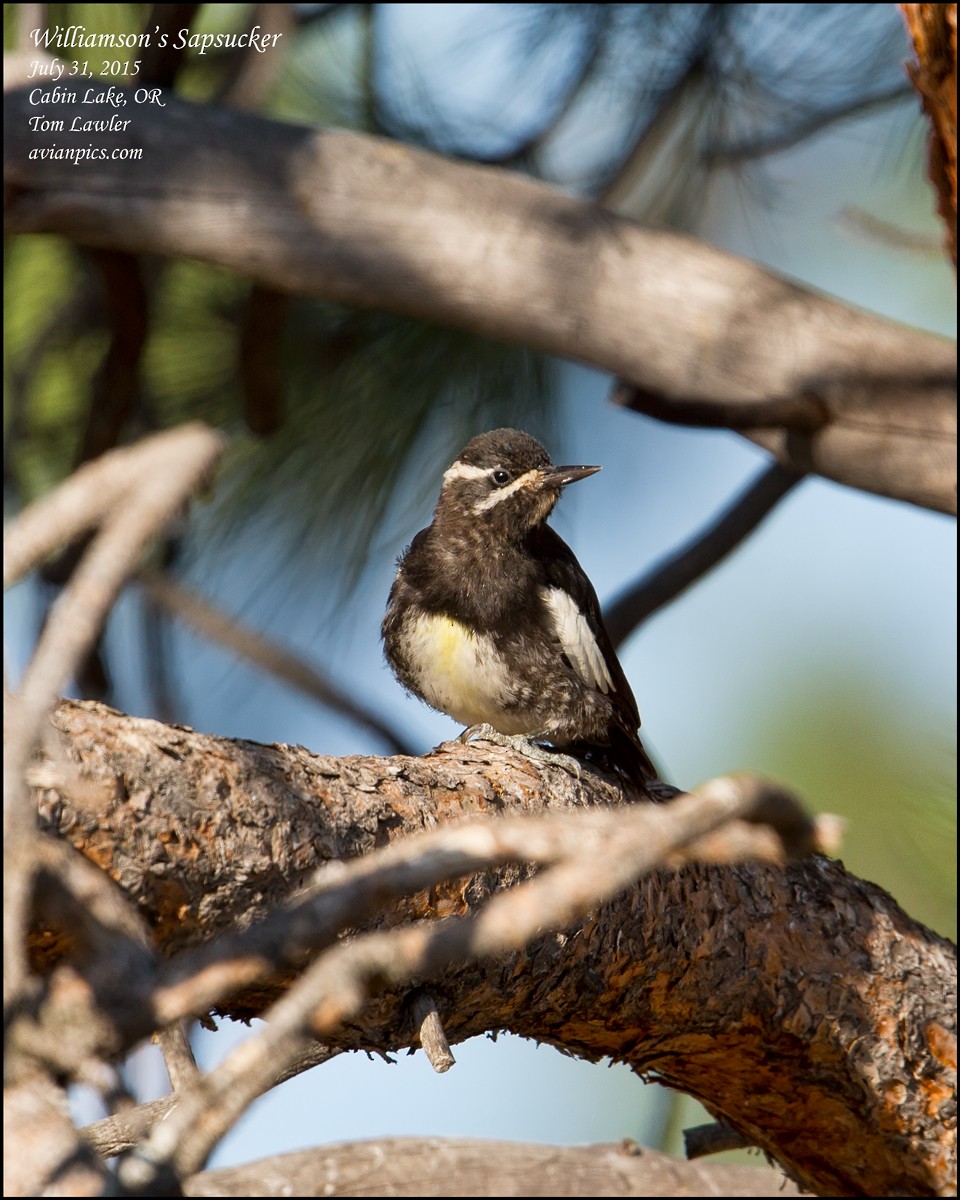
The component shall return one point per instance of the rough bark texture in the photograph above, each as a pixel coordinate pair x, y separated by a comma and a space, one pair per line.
461, 1167
376, 224
800, 1004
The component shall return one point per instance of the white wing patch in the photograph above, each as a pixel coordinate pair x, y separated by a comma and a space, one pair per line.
576, 638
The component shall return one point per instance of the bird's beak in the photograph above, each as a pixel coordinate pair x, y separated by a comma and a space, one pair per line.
561, 476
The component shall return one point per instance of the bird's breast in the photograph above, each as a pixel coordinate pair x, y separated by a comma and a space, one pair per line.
459, 671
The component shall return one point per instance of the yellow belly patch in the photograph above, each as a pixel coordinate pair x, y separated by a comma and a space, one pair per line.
458, 671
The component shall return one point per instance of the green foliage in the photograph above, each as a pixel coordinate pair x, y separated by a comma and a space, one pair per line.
50, 354
891, 775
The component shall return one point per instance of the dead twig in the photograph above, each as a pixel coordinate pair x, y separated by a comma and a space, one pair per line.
178, 1056
433, 1040
115, 1134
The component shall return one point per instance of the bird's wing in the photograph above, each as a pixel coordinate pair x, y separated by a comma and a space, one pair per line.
578, 624
577, 640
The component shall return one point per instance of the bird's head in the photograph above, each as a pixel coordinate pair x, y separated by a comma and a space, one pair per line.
503, 480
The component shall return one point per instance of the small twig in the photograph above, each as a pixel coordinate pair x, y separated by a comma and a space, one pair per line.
178, 1055
112, 1135
115, 1134
214, 624
673, 575
156, 629
432, 1037
887, 233
701, 1140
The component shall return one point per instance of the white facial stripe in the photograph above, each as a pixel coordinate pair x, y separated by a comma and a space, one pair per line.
494, 498
576, 638
462, 470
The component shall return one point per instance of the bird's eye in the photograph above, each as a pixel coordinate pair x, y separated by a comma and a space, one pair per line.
500, 476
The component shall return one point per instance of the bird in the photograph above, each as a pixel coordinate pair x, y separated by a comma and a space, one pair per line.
492, 620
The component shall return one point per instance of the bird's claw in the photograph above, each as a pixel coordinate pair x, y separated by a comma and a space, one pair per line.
523, 745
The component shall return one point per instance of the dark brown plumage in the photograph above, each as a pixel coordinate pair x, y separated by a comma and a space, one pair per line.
492, 620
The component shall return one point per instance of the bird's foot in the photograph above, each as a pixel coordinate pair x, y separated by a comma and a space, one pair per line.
523, 745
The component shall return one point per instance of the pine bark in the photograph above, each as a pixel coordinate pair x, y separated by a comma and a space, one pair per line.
799, 1003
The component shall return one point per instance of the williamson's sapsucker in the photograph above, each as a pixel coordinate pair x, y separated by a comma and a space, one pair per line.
492, 620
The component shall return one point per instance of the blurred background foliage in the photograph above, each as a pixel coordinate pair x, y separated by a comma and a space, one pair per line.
341, 421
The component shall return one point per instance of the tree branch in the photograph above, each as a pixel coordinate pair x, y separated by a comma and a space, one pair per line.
594, 856
758, 959
342, 215
115, 1134
466, 1167
154, 480
49, 1152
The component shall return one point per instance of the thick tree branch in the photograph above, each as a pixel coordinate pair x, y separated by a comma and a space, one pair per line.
374, 224
594, 856
464, 1167
720, 981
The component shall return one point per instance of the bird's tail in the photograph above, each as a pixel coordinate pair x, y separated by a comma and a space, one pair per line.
629, 757
624, 755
